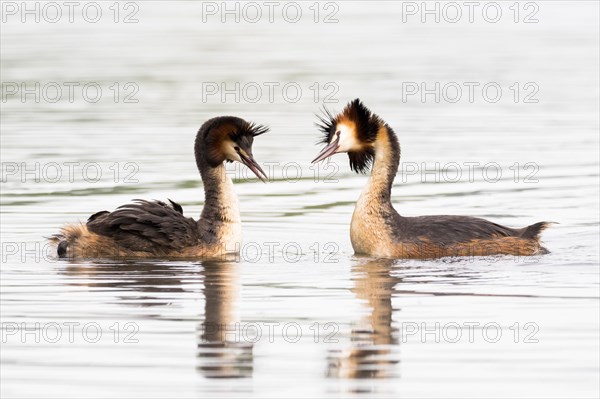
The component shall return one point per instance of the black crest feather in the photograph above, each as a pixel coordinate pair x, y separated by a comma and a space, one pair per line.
367, 123
361, 161
248, 129
326, 125
255, 129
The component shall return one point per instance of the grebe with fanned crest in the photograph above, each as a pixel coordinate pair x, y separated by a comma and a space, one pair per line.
378, 230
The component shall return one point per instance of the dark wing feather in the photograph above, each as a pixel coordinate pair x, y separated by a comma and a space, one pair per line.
176, 206
96, 215
454, 229
151, 226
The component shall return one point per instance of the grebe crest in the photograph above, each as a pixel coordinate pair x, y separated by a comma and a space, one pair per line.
354, 131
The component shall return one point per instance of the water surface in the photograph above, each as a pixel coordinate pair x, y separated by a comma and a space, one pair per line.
299, 315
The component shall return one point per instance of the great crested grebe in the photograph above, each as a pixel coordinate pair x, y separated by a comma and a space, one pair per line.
154, 229
378, 230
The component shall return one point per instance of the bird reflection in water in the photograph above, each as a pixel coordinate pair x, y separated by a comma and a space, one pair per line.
223, 352
373, 352
137, 283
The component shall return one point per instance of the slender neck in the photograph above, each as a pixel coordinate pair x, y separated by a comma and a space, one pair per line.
220, 200
385, 166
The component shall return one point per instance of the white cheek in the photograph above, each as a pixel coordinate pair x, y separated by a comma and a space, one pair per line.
347, 140
231, 153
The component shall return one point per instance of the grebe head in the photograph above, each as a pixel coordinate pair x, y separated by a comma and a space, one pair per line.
228, 138
354, 131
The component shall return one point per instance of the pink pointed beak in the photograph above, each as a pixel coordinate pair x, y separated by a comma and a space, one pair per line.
254, 167
329, 150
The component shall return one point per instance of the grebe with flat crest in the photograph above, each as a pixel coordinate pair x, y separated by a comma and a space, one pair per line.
378, 230
154, 229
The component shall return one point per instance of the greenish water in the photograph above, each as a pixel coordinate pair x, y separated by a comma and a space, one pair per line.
297, 314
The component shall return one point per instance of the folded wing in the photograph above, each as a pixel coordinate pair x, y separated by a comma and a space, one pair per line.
151, 226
